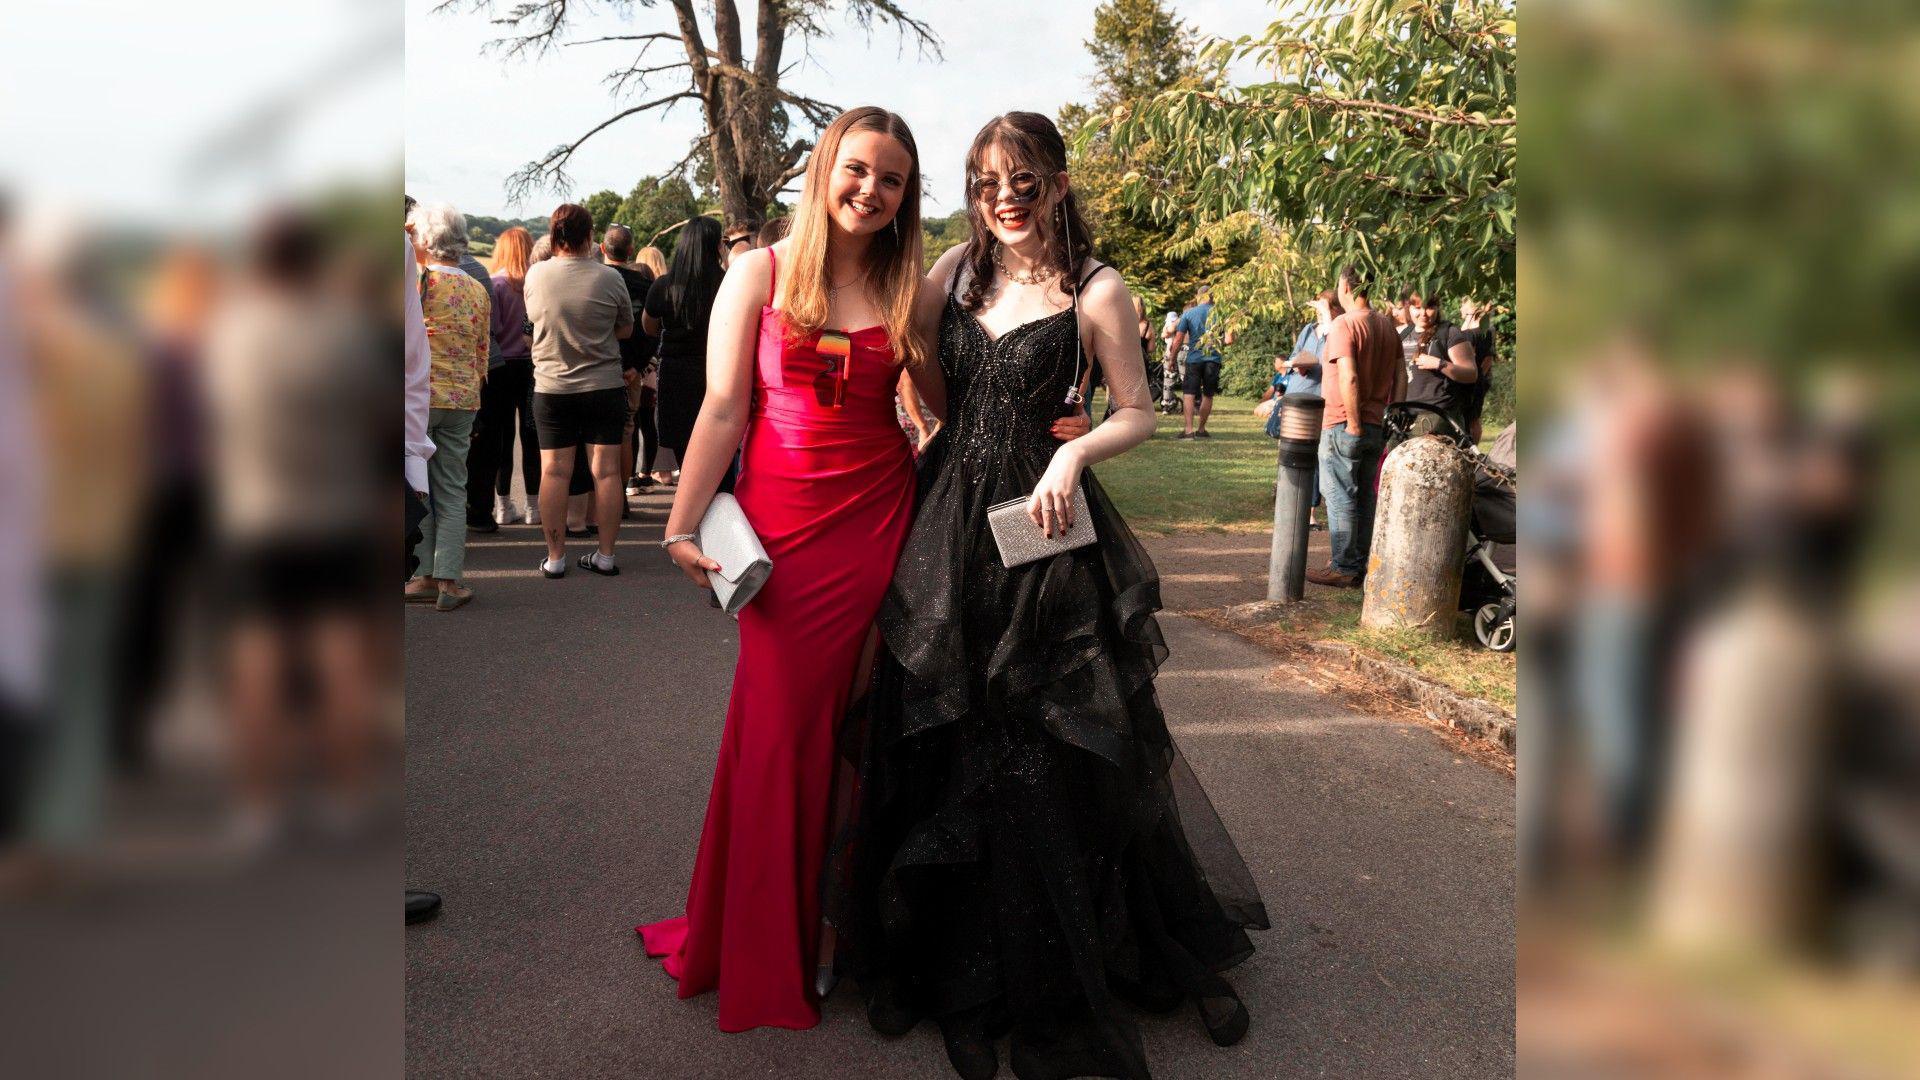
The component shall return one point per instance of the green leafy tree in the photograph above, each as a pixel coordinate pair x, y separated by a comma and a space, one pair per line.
602, 205
1140, 50
1385, 136
655, 205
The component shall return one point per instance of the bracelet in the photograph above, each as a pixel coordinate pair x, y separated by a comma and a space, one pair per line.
672, 540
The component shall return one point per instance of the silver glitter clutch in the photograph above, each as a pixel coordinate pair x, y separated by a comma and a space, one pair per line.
1021, 541
725, 537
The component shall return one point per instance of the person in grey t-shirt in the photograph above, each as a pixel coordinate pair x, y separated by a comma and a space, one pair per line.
580, 311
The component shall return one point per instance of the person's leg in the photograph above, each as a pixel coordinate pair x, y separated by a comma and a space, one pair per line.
341, 645
1336, 486
556, 470
531, 466
1206, 410
579, 488
483, 455
1366, 492
1186, 413
649, 424
437, 507
447, 477
255, 675
608, 497
629, 449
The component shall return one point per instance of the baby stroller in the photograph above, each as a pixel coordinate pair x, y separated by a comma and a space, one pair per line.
1489, 582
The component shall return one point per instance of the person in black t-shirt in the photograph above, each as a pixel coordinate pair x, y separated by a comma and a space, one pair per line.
636, 352
1443, 370
1472, 320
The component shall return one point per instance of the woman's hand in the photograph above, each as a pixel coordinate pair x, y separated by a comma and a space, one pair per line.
693, 562
1051, 504
1069, 428
1428, 362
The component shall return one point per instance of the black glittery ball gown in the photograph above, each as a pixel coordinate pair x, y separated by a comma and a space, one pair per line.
1027, 852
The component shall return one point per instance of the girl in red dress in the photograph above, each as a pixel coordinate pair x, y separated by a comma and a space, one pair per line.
805, 349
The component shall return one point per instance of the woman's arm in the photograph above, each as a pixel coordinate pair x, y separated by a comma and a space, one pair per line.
928, 305
731, 338
649, 324
1461, 367
1106, 329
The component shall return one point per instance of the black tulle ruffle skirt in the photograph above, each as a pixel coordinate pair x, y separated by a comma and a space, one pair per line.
1026, 852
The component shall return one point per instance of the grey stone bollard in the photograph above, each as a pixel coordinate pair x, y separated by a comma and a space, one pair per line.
1419, 539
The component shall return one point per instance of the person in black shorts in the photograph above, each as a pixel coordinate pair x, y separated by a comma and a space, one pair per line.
1202, 381
581, 311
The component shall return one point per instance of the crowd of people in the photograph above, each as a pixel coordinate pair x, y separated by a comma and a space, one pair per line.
1358, 358
589, 356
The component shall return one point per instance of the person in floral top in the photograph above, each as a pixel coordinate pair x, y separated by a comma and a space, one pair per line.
458, 313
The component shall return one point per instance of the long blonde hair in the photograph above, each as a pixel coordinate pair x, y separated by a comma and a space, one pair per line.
510, 253
893, 259
653, 259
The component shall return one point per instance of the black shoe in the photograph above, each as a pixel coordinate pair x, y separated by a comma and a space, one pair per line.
885, 1013
645, 483
971, 1053
1225, 1017
421, 905
578, 534
1184, 435
484, 525
562, 572
587, 563
1203, 433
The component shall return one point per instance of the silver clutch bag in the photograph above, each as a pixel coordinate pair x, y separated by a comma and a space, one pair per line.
725, 537
1021, 541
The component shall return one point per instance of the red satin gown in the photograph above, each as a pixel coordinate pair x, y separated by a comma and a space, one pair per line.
829, 489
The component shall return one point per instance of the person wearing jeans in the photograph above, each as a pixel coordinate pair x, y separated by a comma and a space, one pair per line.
1361, 369
1348, 465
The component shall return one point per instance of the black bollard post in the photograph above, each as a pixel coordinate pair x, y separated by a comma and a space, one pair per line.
1300, 416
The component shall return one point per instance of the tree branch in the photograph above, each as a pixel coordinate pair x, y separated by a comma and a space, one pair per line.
550, 171
1458, 119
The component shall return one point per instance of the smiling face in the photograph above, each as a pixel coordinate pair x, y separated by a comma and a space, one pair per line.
1015, 199
1421, 314
868, 182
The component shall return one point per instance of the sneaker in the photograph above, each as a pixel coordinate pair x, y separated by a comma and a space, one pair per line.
554, 570
533, 513
633, 487
1184, 435
483, 525
591, 561
1203, 433
503, 511
645, 483
1333, 579
580, 533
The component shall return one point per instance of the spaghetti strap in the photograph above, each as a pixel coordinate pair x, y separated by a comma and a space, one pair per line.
1097, 267
773, 274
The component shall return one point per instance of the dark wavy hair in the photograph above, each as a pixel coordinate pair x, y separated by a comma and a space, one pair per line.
1027, 141
694, 277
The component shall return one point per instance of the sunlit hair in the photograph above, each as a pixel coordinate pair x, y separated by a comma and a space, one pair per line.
653, 259
542, 249
512, 253
183, 293
441, 230
1026, 141
893, 258
1431, 305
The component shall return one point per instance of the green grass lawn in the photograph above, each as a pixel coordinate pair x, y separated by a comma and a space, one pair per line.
1220, 484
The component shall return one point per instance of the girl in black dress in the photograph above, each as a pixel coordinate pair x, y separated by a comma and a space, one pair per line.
676, 313
1029, 853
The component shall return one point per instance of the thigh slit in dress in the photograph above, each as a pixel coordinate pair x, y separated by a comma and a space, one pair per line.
829, 488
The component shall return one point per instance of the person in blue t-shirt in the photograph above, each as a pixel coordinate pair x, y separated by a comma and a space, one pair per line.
1203, 363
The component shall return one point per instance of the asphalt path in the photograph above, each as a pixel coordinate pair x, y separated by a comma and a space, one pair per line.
561, 737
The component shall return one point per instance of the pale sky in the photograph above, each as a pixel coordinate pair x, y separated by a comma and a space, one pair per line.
473, 119
197, 111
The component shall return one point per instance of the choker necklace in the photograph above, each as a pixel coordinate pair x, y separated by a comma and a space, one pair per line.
1036, 278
